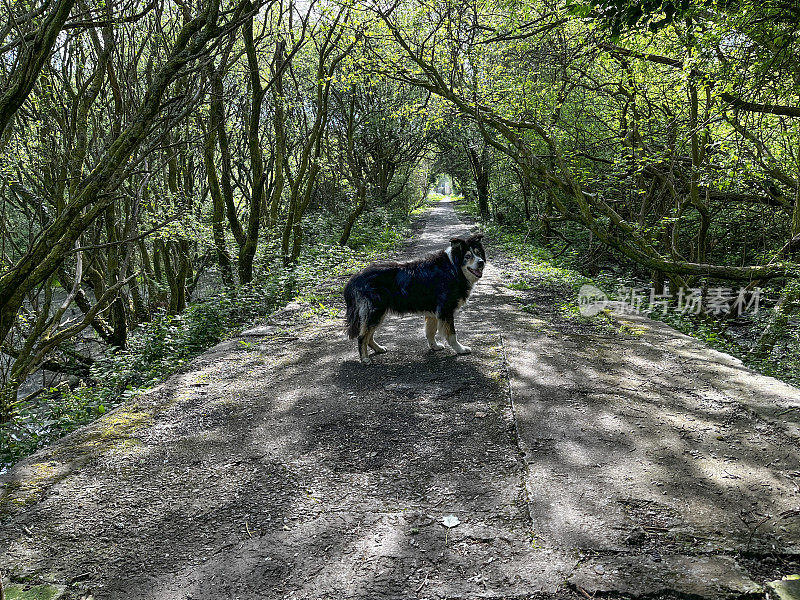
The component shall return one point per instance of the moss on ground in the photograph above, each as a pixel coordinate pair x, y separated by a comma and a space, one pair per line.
36, 592
20, 493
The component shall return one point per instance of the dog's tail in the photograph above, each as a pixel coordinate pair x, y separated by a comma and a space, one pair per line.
353, 314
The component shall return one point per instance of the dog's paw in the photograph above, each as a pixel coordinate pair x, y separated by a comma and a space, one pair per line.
378, 349
366, 360
436, 346
464, 350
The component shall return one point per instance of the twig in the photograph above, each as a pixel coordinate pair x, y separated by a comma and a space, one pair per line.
418, 590
134, 238
753, 530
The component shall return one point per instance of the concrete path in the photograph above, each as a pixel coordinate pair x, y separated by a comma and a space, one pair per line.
575, 461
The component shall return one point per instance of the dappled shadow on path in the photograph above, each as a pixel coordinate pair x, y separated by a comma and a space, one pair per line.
649, 443
287, 467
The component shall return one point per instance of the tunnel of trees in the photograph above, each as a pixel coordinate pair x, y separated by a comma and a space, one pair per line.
152, 149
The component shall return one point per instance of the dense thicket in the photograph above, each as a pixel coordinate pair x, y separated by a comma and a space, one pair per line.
150, 146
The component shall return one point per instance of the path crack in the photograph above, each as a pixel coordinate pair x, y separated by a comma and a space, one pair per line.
515, 433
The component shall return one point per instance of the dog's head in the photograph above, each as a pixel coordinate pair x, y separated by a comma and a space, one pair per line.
470, 255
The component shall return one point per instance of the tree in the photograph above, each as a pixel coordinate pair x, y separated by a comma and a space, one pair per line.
91, 197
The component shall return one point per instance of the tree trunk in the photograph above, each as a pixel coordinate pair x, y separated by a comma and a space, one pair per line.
483, 195
480, 172
361, 202
247, 250
280, 61
796, 212
32, 55
215, 191
694, 184
177, 275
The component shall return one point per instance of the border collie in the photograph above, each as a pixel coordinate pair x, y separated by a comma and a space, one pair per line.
435, 286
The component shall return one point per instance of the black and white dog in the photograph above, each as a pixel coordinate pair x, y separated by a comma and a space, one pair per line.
435, 286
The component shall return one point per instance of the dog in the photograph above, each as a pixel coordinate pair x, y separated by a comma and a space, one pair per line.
435, 286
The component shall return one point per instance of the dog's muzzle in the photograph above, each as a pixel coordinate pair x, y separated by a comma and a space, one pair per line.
477, 272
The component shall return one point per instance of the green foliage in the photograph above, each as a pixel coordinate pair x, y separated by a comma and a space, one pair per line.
378, 230
622, 15
37, 424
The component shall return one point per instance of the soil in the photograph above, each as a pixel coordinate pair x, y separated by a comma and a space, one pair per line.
571, 458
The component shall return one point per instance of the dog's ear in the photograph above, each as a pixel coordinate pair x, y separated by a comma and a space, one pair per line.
458, 248
475, 238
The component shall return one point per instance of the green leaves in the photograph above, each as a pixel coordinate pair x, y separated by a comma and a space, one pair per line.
621, 16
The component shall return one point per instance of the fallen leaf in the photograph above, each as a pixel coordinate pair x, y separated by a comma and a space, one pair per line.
450, 521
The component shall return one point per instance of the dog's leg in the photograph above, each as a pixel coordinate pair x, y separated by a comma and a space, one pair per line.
448, 328
363, 347
375, 320
373, 344
431, 325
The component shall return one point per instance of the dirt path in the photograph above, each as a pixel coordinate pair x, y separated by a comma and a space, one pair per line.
278, 466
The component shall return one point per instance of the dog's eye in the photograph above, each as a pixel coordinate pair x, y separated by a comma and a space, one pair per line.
468, 255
